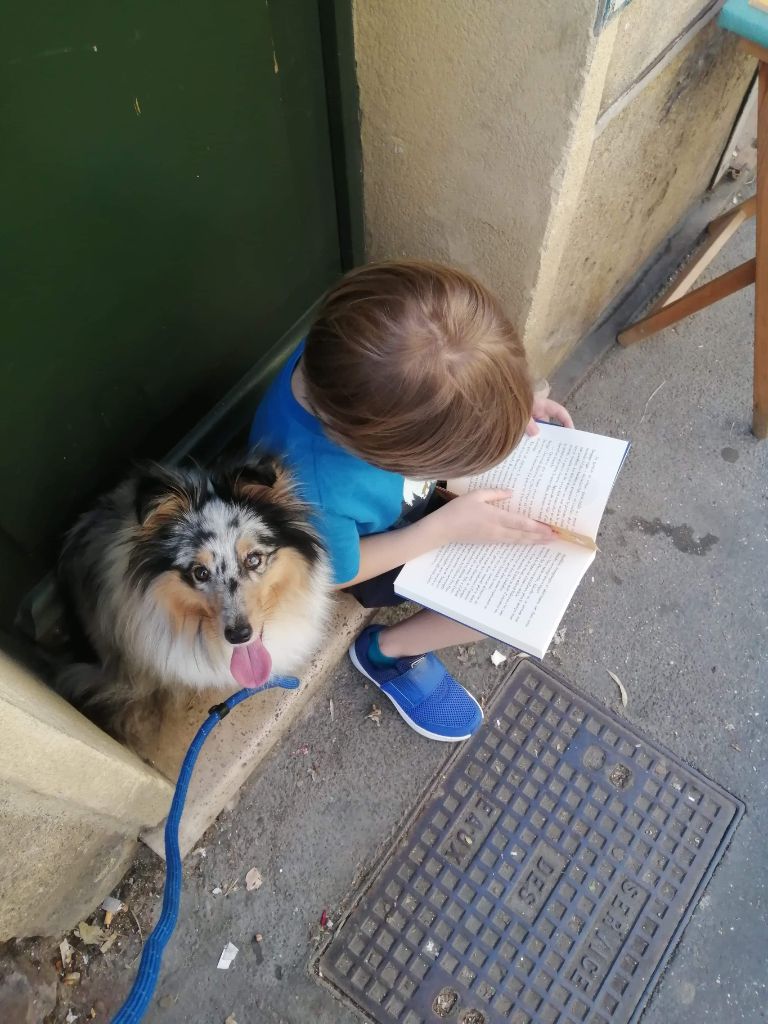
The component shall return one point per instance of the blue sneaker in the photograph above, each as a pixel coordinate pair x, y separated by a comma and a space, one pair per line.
424, 693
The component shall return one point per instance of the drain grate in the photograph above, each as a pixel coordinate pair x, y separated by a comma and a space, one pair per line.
545, 879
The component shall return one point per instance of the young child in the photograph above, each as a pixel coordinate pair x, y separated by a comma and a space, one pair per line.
410, 374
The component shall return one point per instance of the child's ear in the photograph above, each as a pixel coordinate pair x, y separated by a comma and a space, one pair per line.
161, 495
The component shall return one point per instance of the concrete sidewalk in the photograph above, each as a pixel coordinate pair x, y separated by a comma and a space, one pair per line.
676, 605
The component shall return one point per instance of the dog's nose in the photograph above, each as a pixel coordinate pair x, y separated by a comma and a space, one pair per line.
239, 634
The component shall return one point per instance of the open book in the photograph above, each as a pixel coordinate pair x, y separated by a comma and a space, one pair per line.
518, 593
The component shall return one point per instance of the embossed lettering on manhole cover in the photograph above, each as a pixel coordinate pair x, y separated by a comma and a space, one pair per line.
545, 879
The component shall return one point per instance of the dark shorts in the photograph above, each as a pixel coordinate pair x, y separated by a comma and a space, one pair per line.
379, 591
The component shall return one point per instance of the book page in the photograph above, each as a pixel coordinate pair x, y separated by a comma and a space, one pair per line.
562, 477
515, 592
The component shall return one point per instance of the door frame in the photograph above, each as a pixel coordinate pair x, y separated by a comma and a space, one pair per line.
338, 46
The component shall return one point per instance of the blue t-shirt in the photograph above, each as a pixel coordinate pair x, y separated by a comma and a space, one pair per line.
353, 499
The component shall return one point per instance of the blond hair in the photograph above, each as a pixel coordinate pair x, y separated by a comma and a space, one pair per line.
415, 368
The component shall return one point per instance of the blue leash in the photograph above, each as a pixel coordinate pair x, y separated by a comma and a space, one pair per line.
135, 1006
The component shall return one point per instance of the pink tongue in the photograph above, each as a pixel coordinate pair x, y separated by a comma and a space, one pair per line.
251, 664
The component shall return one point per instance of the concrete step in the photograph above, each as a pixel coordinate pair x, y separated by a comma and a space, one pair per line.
244, 738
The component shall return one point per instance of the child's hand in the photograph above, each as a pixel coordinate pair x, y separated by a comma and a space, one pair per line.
546, 409
474, 519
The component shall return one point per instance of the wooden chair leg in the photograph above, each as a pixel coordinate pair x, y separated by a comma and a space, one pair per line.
710, 292
719, 232
760, 385
746, 206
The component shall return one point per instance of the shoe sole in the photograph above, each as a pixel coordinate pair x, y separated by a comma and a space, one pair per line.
416, 728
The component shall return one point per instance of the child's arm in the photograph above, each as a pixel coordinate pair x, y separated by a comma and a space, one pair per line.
470, 519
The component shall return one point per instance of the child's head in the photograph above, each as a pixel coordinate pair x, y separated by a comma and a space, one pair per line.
415, 368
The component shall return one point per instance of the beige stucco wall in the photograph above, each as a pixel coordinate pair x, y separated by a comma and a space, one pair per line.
484, 144
72, 802
645, 170
642, 34
469, 112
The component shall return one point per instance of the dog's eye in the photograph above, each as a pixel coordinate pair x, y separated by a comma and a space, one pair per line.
201, 574
253, 561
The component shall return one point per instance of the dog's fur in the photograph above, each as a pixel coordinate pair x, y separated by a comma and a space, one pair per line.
130, 568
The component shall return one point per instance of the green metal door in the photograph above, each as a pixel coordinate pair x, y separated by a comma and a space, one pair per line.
169, 212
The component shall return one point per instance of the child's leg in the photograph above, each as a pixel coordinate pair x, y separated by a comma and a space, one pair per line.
423, 632
430, 700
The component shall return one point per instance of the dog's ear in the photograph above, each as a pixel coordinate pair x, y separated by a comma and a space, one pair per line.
257, 477
162, 495
257, 471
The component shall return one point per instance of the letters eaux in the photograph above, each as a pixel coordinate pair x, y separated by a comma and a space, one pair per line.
470, 832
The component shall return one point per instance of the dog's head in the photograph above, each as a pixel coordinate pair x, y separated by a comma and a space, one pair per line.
219, 551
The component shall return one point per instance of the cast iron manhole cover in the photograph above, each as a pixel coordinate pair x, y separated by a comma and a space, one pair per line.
545, 879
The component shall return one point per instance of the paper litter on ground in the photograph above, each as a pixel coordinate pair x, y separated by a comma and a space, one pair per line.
227, 957
498, 658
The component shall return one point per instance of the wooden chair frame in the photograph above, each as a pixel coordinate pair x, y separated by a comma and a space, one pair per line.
679, 302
